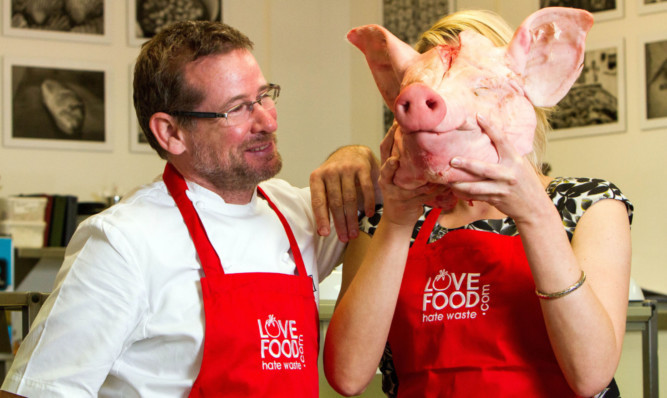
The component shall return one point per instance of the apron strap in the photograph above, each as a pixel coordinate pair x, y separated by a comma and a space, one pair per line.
207, 254
300, 267
427, 227
209, 258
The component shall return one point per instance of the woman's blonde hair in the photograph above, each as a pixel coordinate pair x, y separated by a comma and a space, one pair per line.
493, 27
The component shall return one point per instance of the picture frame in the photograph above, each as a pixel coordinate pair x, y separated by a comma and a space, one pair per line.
596, 102
56, 104
137, 140
653, 69
142, 26
651, 6
87, 23
603, 10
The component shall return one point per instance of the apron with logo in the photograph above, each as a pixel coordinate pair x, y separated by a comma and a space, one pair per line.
261, 329
468, 323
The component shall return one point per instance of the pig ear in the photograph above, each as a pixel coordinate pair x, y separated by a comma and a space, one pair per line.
548, 52
388, 57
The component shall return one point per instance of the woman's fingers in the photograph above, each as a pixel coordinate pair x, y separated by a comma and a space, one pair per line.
498, 138
483, 170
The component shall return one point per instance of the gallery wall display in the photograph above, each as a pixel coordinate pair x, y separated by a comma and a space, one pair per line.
602, 10
57, 104
654, 77
77, 20
596, 102
651, 6
148, 17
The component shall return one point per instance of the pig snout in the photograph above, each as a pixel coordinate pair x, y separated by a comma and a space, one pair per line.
419, 108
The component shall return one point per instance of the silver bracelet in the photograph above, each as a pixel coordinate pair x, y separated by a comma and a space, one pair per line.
551, 296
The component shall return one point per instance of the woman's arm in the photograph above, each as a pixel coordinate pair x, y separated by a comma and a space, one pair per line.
372, 275
585, 327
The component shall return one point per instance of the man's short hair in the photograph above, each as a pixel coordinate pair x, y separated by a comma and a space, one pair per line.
159, 84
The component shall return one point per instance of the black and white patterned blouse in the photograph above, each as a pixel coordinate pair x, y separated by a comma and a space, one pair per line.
571, 196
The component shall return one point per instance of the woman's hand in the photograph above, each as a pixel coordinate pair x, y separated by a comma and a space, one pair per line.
512, 185
401, 206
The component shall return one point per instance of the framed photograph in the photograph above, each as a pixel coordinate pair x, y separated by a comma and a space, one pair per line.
602, 10
649, 6
56, 104
148, 17
653, 64
138, 141
78, 20
596, 102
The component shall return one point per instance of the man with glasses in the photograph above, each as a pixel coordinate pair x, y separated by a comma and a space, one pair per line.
204, 282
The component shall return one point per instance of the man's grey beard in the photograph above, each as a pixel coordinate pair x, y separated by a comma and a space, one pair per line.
238, 177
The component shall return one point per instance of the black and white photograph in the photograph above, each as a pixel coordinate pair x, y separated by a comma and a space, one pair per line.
654, 112
148, 17
407, 19
76, 20
55, 105
602, 9
650, 6
596, 102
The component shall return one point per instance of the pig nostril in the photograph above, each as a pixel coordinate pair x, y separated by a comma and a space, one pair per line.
419, 108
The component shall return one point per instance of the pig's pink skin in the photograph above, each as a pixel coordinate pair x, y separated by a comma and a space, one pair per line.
478, 82
436, 96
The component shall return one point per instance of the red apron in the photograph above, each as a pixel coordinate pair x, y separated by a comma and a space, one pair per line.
468, 323
262, 329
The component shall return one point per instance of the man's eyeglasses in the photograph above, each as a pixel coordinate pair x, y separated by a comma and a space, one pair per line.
240, 113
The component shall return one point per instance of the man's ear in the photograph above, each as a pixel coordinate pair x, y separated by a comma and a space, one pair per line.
167, 133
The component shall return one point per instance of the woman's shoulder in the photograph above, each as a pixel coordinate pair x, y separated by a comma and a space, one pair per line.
572, 196
567, 190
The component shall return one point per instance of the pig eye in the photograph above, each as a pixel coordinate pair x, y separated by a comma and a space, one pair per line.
480, 91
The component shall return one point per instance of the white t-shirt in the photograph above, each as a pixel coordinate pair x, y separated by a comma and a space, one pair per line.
126, 315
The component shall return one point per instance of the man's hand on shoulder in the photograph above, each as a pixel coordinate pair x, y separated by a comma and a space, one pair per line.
344, 184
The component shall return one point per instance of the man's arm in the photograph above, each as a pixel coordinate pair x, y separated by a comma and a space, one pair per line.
345, 184
83, 325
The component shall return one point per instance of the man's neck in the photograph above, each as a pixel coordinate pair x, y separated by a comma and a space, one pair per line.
234, 197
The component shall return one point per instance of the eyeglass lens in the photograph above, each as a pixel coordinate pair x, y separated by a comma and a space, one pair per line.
241, 113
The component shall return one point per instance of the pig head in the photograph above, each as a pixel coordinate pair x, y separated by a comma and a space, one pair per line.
435, 96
